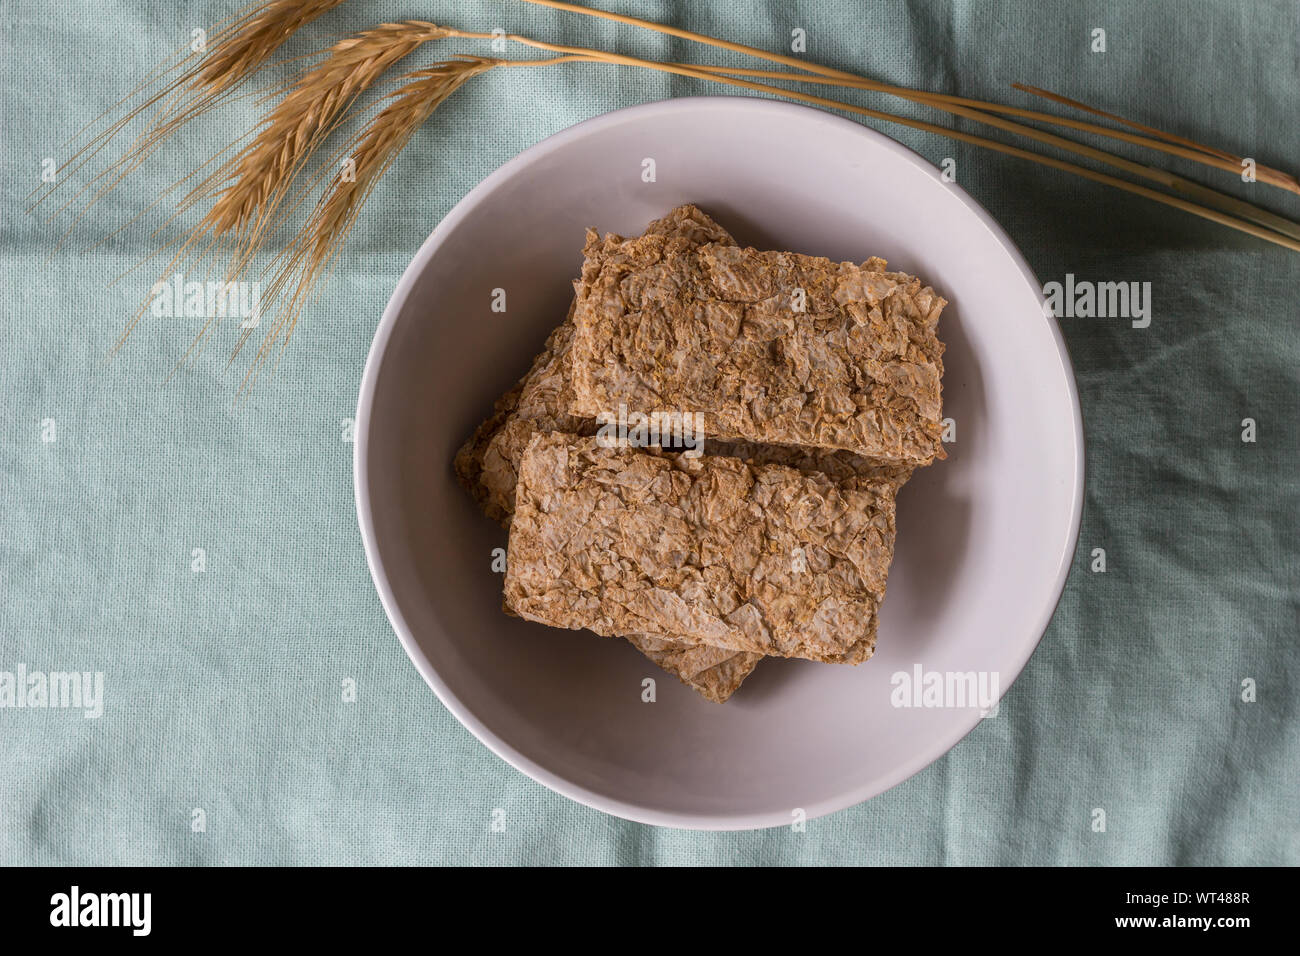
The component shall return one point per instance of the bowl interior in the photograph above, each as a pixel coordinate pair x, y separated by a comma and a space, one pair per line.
984, 539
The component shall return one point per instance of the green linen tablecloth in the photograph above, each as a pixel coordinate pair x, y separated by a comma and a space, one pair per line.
206, 559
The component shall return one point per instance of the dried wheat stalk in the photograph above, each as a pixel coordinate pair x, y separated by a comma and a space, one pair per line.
1170, 144
1150, 130
1257, 222
250, 192
1179, 184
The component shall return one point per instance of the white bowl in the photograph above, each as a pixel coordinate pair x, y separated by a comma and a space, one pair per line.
985, 539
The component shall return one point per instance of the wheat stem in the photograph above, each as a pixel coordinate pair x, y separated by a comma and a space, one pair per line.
978, 110
1151, 130
1164, 177
1284, 238
1214, 158
1176, 202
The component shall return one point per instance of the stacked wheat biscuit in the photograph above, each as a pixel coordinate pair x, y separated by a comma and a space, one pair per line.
817, 385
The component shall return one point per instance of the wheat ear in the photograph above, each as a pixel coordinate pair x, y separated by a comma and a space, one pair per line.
239, 47
373, 150
244, 47
312, 252
250, 187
